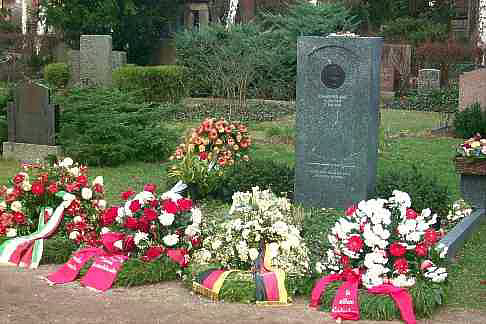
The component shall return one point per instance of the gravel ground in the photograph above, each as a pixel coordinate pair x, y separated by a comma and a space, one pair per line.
26, 298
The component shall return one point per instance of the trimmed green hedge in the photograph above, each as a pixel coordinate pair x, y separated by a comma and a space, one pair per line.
57, 74
155, 83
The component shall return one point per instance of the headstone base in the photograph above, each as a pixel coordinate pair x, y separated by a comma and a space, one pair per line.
28, 152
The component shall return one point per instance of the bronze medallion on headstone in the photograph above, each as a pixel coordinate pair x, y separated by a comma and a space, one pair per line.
333, 76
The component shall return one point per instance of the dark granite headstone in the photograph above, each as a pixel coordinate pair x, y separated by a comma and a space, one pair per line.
338, 93
31, 118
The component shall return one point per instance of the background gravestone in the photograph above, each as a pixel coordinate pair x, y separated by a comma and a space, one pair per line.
95, 60
338, 93
31, 123
428, 79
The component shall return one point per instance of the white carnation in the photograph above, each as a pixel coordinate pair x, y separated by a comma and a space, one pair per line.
253, 254
86, 193
196, 216
166, 219
16, 206
11, 232
171, 240
73, 235
139, 237
98, 180
67, 162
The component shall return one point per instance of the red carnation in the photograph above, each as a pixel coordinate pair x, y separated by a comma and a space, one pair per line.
344, 260
401, 265
203, 156
351, 210
37, 188
430, 236
70, 187
18, 178
143, 225
131, 223
127, 194
19, 218
108, 217
196, 241
82, 180
53, 188
150, 214
355, 243
153, 253
128, 243
421, 250
184, 204
98, 188
135, 206
43, 177
154, 203
170, 206
397, 249
149, 187
411, 214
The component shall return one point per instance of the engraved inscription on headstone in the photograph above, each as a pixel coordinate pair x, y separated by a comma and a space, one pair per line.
338, 88
32, 117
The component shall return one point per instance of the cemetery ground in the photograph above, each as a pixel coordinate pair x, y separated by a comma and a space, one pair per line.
404, 140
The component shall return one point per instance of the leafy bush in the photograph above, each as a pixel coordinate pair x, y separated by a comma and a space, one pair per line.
57, 74
439, 100
109, 127
155, 83
470, 121
424, 189
262, 57
414, 30
263, 173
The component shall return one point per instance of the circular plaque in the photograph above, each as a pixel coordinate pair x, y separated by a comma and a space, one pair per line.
333, 76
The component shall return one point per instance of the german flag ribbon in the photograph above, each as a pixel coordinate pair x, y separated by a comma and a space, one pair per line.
209, 283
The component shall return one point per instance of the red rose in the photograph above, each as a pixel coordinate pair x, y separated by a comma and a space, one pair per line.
150, 214
53, 188
397, 249
170, 206
203, 156
18, 178
82, 180
401, 265
421, 250
153, 253
149, 187
430, 236
37, 188
411, 214
108, 216
19, 218
98, 188
135, 206
184, 204
351, 210
131, 223
128, 243
355, 243
127, 194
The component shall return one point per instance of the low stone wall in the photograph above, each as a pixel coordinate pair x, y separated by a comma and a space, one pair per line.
28, 152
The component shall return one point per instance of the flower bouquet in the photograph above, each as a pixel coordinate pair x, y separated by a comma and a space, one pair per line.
40, 188
207, 151
155, 226
260, 236
384, 246
471, 156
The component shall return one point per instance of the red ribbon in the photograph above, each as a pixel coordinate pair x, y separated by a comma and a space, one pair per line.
345, 303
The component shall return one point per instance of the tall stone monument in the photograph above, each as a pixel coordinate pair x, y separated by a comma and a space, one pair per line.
338, 93
95, 60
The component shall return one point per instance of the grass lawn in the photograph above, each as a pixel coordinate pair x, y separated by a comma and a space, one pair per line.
404, 140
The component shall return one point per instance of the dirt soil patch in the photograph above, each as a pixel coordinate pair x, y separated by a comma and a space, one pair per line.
25, 298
